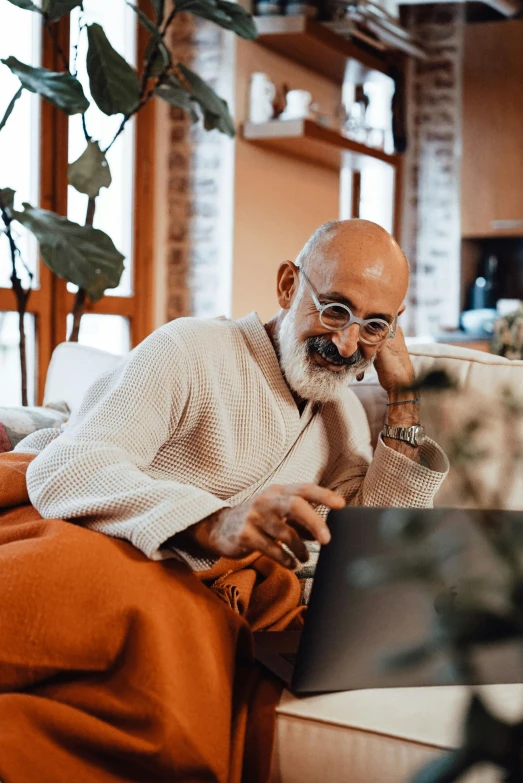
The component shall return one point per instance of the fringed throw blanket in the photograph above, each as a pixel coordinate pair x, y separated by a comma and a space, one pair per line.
117, 668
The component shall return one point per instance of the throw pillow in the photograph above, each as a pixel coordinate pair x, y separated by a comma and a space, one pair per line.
17, 423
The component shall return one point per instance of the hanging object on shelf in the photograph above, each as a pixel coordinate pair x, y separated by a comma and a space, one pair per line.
269, 8
298, 105
261, 97
367, 115
373, 24
302, 9
399, 112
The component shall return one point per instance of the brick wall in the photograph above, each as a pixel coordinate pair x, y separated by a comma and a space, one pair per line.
200, 169
431, 230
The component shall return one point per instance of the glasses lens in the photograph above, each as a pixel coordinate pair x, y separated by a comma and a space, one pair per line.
375, 331
335, 317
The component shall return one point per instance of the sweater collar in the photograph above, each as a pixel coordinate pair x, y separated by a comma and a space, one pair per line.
262, 349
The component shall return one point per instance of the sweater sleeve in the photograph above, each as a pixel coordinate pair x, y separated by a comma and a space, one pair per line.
386, 478
94, 471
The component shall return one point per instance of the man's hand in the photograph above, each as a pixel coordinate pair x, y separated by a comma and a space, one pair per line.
396, 375
280, 513
394, 367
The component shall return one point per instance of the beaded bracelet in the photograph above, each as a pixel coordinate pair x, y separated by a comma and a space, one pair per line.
404, 402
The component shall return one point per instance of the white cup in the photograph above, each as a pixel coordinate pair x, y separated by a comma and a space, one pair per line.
298, 105
262, 93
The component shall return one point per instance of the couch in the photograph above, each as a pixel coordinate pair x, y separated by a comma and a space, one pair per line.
369, 736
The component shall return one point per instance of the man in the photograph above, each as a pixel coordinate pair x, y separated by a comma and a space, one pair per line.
220, 438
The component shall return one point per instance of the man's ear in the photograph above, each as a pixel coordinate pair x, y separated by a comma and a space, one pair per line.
287, 282
402, 309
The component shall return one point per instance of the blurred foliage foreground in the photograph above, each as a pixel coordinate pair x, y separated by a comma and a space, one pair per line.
482, 436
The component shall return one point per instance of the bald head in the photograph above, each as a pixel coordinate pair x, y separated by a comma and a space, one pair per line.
361, 244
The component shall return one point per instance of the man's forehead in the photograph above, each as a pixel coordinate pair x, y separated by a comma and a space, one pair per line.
373, 268
376, 283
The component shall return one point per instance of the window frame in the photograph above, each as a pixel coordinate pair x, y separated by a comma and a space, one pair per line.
52, 302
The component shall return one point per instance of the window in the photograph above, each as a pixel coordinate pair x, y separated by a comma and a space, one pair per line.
372, 192
45, 141
20, 171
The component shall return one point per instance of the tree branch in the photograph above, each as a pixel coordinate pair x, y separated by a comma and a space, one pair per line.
22, 297
56, 42
79, 300
29, 273
81, 26
87, 135
168, 21
144, 95
78, 311
127, 117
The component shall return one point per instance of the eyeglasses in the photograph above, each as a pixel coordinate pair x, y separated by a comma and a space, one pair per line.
335, 316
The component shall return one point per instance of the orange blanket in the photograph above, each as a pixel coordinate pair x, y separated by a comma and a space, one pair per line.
115, 668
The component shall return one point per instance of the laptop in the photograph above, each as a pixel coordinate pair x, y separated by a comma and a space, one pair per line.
350, 629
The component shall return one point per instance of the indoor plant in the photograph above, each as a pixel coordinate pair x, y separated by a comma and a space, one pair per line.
81, 254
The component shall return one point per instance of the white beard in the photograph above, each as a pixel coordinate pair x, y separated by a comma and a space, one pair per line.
306, 378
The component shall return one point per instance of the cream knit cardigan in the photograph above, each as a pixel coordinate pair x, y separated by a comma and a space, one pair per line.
198, 418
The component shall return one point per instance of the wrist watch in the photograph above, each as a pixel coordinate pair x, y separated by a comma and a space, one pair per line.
414, 435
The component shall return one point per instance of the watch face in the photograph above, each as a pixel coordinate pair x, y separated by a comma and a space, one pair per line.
419, 435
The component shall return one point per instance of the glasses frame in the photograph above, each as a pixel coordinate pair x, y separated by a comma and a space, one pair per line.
352, 318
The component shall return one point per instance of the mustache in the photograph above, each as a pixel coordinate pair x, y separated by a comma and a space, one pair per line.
328, 351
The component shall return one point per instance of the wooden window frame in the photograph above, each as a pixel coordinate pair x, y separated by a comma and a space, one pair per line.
51, 302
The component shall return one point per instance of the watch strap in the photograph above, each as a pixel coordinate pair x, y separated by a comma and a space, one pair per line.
406, 434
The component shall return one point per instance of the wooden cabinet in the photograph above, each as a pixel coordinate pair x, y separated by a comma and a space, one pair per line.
492, 162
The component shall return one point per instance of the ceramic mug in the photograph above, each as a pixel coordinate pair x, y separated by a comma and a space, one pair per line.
298, 105
262, 93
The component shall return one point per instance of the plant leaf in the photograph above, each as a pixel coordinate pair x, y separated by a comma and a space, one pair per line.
159, 8
445, 770
475, 625
114, 83
241, 21
10, 108
162, 58
7, 198
55, 9
27, 5
408, 657
486, 736
90, 172
227, 14
435, 380
61, 89
82, 255
215, 109
178, 97
144, 20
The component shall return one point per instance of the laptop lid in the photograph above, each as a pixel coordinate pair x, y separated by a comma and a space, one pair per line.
350, 629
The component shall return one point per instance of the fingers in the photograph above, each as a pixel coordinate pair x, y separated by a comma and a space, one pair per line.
315, 494
291, 502
276, 528
262, 543
301, 512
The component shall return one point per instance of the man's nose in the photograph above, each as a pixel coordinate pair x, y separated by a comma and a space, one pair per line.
346, 340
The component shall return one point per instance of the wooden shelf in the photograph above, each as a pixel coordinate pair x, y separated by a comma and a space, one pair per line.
315, 46
305, 139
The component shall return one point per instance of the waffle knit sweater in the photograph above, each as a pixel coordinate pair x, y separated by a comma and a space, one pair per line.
198, 418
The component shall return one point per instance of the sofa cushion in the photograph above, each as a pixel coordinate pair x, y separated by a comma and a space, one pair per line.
377, 736
73, 369
17, 422
481, 379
